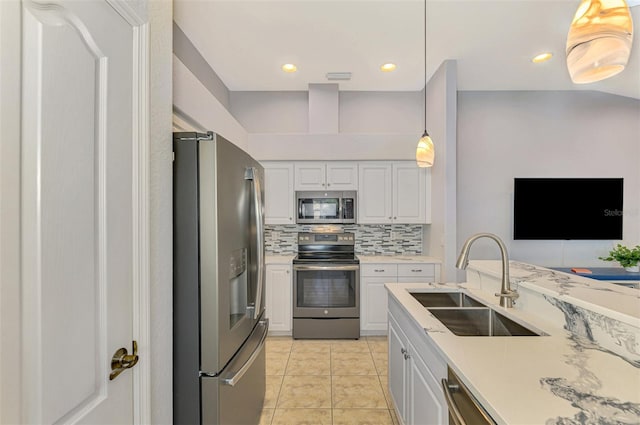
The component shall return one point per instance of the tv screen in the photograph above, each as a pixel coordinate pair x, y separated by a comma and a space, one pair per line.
567, 208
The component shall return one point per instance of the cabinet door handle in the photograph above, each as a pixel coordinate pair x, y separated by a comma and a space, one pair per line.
416, 270
379, 270
403, 351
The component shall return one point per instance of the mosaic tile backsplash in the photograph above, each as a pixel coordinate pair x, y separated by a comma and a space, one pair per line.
389, 239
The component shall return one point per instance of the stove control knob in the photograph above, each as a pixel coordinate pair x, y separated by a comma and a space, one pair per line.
326, 312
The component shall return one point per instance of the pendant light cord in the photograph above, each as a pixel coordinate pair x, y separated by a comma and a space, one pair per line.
425, 66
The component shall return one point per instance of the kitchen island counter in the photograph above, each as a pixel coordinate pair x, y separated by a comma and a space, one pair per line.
572, 375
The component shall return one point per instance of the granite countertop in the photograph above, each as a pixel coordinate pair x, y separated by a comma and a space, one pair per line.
397, 259
605, 298
560, 378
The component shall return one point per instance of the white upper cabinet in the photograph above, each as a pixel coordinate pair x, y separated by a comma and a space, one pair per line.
410, 184
394, 192
374, 195
336, 175
279, 203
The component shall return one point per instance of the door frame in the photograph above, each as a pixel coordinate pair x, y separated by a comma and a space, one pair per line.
12, 400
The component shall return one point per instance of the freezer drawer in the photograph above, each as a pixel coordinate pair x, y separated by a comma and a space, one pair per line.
236, 396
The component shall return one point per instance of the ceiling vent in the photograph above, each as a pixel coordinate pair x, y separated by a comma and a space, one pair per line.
338, 76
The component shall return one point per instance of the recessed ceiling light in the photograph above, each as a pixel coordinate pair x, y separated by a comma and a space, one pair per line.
289, 67
542, 57
388, 67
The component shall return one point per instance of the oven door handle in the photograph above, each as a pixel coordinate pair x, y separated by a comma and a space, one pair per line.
344, 268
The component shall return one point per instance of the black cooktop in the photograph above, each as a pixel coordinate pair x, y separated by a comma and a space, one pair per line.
326, 248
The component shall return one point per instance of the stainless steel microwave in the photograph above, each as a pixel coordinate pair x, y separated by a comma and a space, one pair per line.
320, 207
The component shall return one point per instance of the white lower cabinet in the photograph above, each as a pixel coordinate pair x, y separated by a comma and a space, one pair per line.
373, 295
278, 301
415, 372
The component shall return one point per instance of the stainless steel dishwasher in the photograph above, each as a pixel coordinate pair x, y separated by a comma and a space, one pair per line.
464, 409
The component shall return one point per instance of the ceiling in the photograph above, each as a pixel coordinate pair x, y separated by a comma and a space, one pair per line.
247, 41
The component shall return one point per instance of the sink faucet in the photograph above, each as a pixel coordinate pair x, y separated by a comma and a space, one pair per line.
507, 296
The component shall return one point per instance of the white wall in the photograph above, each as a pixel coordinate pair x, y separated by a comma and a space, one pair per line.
271, 112
359, 112
196, 102
502, 135
372, 126
160, 207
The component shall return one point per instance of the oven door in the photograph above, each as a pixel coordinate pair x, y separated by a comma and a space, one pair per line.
326, 290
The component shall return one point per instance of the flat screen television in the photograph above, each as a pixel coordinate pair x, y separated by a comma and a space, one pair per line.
567, 208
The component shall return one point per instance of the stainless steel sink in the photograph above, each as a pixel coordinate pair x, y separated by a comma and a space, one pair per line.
445, 299
481, 321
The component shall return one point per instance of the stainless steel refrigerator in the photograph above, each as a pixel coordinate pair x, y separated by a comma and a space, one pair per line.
218, 282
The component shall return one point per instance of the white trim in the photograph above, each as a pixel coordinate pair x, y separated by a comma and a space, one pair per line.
125, 9
138, 19
10, 249
30, 259
183, 122
141, 223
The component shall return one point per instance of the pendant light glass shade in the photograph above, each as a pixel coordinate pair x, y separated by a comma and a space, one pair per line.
425, 152
599, 40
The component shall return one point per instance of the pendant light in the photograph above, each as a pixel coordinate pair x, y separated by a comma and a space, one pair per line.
599, 40
425, 152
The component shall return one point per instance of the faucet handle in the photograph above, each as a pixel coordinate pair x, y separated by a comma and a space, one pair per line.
508, 294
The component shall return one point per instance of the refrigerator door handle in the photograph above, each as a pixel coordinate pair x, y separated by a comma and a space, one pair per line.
235, 378
252, 174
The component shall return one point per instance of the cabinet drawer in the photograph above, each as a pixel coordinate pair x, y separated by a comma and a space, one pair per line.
377, 270
416, 270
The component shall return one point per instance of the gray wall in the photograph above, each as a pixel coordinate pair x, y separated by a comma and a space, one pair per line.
502, 135
191, 57
440, 236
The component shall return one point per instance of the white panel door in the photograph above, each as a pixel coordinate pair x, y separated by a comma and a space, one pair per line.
310, 176
342, 175
374, 303
426, 404
81, 127
409, 193
374, 194
398, 369
278, 301
279, 197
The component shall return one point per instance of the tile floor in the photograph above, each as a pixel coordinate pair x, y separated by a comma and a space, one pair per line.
339, 382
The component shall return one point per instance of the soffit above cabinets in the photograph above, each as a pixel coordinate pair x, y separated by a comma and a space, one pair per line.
246, 42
